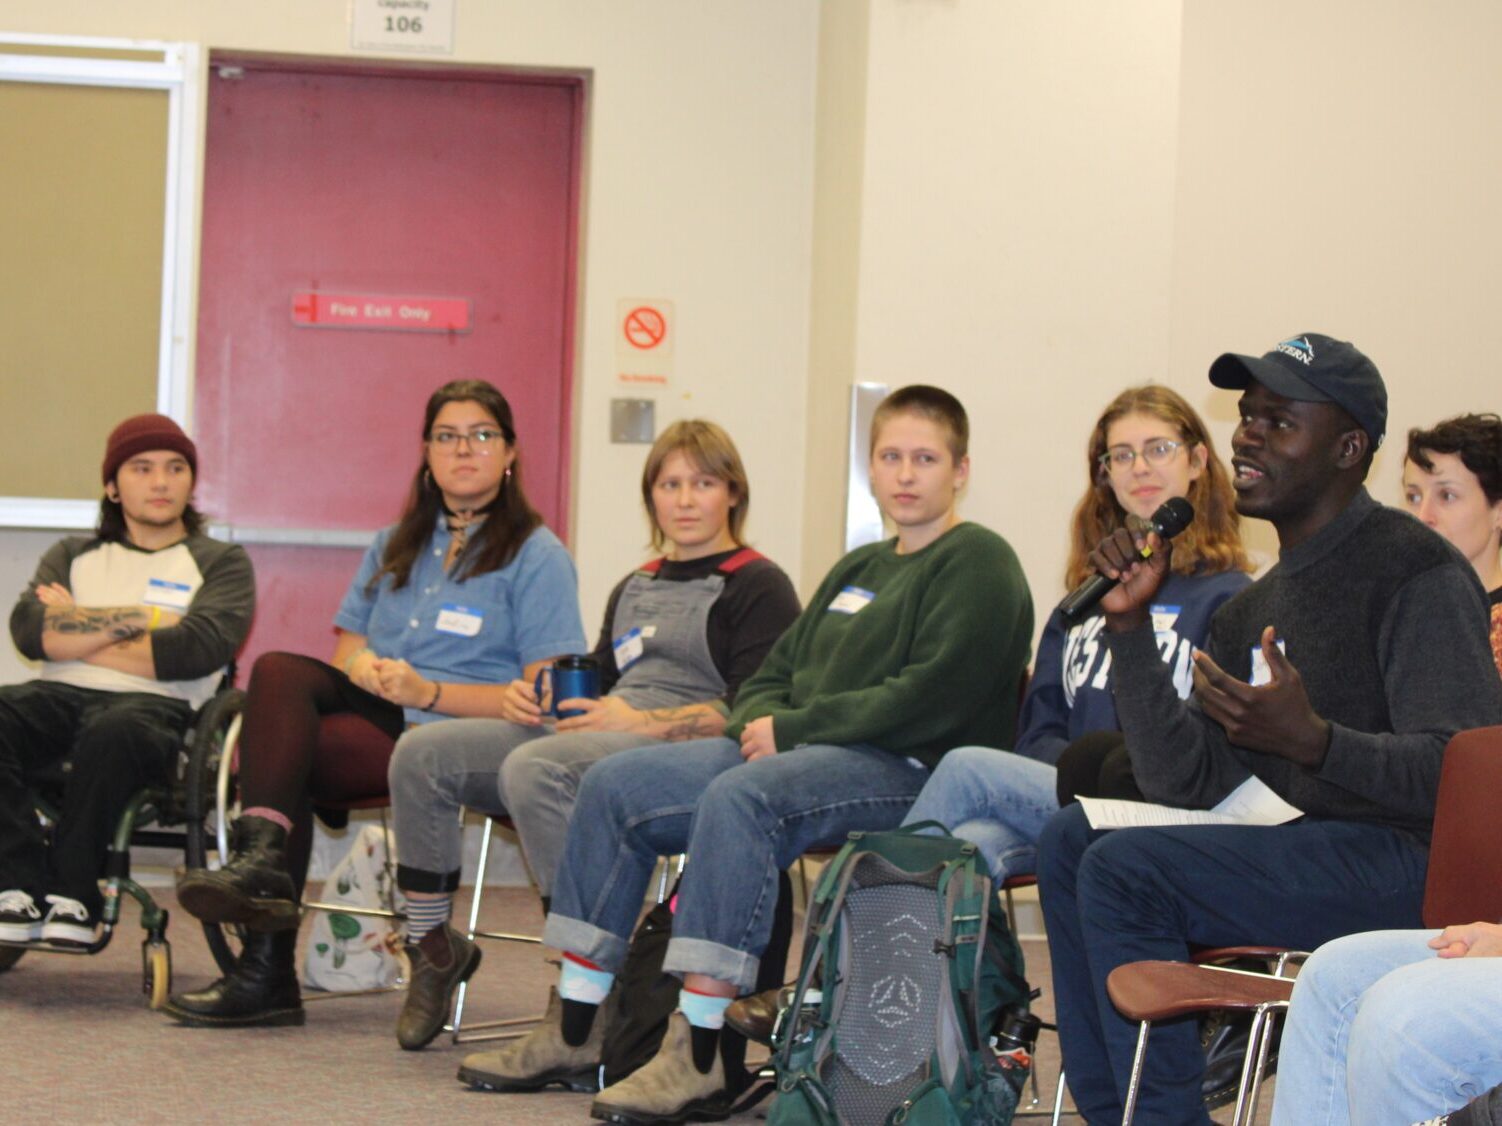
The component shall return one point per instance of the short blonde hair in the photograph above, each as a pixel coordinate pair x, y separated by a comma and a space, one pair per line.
712, 452
932, 403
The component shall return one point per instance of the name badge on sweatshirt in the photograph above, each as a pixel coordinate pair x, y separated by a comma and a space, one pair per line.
174, 596
1261, 672
851, 600
1165, 617
458, 620
628, 648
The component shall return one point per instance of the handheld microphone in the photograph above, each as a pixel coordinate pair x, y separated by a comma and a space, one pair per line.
1172, 517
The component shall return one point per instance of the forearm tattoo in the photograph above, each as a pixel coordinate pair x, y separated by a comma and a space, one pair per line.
691, 722
121, 623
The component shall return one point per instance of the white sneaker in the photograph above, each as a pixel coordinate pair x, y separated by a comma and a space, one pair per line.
20, 921
68, 923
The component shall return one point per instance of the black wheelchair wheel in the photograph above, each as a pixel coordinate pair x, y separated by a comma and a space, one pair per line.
205, 750
9, 956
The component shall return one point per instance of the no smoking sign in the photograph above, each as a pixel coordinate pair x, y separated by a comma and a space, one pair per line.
644, 342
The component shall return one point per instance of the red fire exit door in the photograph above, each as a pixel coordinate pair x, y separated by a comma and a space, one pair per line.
451, 191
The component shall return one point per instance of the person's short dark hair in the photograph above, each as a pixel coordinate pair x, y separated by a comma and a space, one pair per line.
932, 403
1475, 438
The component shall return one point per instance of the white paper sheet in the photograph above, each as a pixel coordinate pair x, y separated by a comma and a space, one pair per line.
1251, 803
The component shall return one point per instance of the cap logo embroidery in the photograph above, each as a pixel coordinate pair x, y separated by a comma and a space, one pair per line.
1299, 348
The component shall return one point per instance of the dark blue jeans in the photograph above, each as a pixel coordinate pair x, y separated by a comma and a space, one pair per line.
1131, 894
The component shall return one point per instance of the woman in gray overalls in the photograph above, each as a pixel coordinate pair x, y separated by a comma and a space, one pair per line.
679, 636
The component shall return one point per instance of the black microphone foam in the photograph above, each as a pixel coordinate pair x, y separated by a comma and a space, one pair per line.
1171, 518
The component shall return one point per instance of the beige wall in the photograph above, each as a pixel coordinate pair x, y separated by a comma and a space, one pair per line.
1016, 232
1340, 171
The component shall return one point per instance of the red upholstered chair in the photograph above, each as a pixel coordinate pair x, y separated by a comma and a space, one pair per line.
1464, 884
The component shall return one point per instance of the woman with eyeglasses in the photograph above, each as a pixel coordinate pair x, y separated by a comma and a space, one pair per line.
466, 596
681, 634
1147, 446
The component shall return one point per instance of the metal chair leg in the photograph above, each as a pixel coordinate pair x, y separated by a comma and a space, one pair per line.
1058, 1100
1253, 1043
1263, 1051
1136, 1080
474, 917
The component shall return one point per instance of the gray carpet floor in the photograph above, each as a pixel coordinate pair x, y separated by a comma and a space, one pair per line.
78, 1043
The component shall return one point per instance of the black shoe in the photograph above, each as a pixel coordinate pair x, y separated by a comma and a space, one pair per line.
1224, 1035
430, 994
253, 888
260, 990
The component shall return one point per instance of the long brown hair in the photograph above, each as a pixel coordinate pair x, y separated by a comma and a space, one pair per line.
712, 452
1212, 543
509, 520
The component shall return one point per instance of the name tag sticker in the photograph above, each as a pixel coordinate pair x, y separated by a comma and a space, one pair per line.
1261, 673
851, 600
459, 620
174, 596
628, 647
1165, 617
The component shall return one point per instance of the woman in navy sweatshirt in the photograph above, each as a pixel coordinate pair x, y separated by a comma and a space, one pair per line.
1147, 446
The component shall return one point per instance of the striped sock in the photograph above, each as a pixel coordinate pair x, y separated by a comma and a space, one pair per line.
425, 914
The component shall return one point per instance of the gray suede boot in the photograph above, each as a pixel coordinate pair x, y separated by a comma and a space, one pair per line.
542, 1056
669, 1088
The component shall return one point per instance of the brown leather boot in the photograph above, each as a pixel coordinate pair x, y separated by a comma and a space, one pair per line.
755, 1017
440, 962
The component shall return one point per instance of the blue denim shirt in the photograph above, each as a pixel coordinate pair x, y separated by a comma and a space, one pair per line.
527, 611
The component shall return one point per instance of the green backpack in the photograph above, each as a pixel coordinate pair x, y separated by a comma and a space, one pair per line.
918, 966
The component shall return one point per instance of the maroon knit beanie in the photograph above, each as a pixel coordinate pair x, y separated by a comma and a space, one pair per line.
146, 432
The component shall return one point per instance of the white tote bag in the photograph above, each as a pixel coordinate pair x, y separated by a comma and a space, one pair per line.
347, 953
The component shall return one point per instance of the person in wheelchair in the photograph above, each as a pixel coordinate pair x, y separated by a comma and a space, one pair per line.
680, 635
134, 627
465, 595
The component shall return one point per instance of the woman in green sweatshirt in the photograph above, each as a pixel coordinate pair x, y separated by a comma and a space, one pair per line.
910, 647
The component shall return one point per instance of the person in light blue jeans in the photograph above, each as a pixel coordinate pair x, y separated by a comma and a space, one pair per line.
1147, 445
1393, 1026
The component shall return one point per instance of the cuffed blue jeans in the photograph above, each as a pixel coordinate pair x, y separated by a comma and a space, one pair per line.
1122, 896
1383, 1029
740, 824
997, 800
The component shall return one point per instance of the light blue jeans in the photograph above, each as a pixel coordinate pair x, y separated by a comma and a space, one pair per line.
740, 824
1383, 1030
997, 800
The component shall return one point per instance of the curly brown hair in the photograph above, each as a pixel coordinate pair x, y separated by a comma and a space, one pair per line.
1211, 544
1476, 438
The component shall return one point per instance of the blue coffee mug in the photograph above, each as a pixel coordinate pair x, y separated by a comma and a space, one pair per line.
574, 678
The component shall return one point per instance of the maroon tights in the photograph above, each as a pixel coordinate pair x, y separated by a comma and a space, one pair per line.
311, 736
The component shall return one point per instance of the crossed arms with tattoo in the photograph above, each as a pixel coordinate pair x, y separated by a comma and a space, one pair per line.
114, 637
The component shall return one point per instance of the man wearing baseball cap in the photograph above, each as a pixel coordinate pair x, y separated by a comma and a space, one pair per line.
133, 627
1334, 682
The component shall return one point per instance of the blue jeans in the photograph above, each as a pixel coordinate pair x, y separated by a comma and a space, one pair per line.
1122, 896
740, 822
998, 800
1384, 1030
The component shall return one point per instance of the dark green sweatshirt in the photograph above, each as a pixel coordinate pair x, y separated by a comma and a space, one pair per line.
915, 654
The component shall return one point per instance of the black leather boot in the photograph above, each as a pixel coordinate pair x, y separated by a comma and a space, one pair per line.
253, 888
261, 990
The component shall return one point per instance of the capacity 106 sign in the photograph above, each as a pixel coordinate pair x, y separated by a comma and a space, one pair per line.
422, 26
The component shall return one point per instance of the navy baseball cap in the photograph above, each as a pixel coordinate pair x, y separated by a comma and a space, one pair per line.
1314, 369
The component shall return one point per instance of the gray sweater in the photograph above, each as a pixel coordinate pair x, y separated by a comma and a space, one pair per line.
1387, 625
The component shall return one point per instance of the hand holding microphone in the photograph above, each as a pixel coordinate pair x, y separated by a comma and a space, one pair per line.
1138, 570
